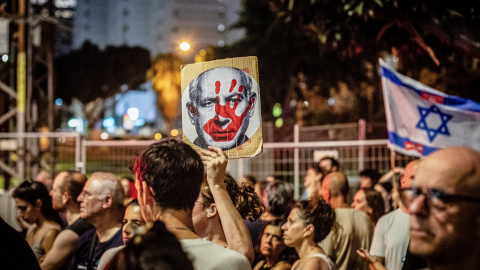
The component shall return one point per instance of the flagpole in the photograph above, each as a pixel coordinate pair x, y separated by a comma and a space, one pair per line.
394, 178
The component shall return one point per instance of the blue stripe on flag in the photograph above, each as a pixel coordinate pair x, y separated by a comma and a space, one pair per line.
400, 142
453, 101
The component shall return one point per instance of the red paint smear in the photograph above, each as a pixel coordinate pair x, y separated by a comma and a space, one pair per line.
214, 126
232, 86
217, 87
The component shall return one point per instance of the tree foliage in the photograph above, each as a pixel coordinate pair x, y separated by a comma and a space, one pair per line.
166, 80
89, 73
314, 51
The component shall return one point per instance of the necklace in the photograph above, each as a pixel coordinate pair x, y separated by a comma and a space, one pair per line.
178, 228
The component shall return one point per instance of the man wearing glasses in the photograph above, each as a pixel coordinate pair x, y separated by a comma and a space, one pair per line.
444, 204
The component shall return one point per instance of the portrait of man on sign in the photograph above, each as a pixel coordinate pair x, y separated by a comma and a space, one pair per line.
220, 103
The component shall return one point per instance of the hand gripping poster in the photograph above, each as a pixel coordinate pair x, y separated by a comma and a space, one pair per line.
221, 106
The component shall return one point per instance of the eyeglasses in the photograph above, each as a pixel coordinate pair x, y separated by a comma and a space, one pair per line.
435, 198
85, 194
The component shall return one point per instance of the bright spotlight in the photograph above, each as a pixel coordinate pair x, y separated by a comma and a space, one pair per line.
133, 113
184, 46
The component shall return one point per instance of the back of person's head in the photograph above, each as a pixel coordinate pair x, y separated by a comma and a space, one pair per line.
173, 170
338, 184
373, 174
73, 182
376, 203
318, 213
250, 179
105, 183
156, 249
280, 198
333, 161
316, 168
243, 197
45, 177
31, 191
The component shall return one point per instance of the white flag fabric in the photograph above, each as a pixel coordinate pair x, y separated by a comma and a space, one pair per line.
421, 120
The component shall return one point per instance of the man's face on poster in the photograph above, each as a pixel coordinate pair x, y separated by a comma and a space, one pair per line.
223, 107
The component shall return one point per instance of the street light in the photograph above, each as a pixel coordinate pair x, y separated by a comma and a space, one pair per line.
184, 46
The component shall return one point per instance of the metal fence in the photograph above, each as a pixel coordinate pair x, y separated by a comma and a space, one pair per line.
24, 155
289, 161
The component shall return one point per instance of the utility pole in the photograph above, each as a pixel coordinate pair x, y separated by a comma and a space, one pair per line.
21, 87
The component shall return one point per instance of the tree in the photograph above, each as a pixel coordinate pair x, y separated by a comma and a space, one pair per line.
311, 51
89, 73
166, 80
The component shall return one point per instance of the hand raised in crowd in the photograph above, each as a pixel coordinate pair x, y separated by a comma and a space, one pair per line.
216, 161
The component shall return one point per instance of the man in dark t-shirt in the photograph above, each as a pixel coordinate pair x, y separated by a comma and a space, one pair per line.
86, 256
67, 186
101, 204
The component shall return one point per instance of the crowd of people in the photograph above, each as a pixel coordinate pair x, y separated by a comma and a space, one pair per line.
182, 210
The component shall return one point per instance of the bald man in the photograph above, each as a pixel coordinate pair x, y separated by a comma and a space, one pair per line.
354, 229
444, 205
390, 238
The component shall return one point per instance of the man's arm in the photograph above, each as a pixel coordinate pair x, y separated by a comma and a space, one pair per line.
61, 250
236, 232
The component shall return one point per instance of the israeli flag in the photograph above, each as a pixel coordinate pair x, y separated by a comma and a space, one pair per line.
421, 120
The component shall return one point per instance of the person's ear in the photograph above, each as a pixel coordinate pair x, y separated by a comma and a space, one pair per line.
308, 230
141, 201
107, 201
38, 203
369, 211
251, 101
211, 210
65, 197
192, 112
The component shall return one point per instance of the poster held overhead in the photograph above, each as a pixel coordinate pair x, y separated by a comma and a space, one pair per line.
221, 106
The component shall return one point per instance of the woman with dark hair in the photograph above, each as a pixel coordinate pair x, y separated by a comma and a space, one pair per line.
133, 223
35, 207
371, 202
129, 189
206, 216
273, 253
308, 224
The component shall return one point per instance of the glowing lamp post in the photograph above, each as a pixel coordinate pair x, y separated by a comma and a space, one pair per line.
184, 46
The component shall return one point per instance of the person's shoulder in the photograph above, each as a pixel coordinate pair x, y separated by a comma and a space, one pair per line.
79, 226
87, 234
201, 247
282, 266
316, 262
349, 213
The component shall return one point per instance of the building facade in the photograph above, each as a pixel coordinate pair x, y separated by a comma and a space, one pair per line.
157, 25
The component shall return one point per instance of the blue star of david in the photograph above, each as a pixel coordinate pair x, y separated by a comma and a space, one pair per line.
432, 132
